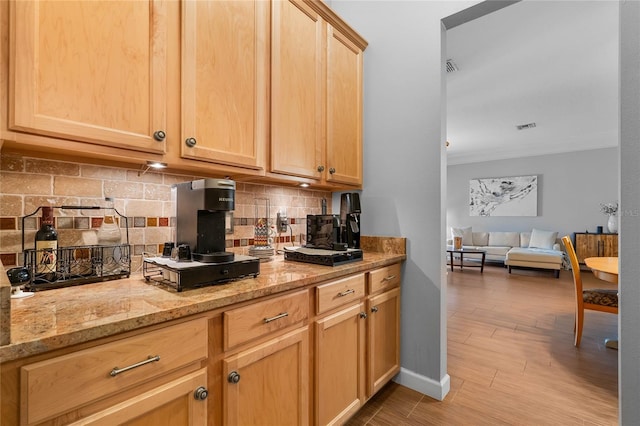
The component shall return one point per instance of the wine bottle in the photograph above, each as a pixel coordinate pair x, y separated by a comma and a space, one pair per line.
46, 248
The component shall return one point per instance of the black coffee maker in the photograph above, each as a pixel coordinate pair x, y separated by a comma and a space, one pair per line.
202, 206
350, 219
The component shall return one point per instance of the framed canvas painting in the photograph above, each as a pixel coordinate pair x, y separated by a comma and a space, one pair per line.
504, 196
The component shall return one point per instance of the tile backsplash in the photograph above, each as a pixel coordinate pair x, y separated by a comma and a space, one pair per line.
146, 200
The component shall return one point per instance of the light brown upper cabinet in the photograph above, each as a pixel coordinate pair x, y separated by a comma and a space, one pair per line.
89, 71
298, 56
225, 69
268, 89
344, 109
316, 94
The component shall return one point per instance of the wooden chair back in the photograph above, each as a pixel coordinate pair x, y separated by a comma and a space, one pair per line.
575, 270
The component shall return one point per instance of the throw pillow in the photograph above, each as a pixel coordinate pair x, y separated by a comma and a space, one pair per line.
542, 239
480, 238
504, 239
465, 233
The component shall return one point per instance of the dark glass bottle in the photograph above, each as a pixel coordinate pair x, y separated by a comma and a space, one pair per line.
46, 248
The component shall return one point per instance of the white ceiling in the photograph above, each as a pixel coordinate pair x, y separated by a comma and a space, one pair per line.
554, 63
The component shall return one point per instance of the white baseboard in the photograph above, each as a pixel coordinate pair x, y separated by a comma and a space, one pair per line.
425, 385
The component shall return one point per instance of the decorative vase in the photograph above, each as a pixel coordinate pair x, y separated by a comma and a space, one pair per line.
612, 224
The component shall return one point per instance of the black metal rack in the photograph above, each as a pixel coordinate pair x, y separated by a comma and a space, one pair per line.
183, 275
84, 264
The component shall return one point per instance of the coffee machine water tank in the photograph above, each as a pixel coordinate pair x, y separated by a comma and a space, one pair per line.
350, 219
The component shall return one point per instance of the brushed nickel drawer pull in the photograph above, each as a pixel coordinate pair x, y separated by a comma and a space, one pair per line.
117, 370
389, 278
282, 315
344, 293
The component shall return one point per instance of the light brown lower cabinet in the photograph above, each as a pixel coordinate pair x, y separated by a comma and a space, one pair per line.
339, 358
357, 348
383, 336
310, 356
138, 374
180, 402
268, 384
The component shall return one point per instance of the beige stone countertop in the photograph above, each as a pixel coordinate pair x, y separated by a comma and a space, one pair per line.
62, 317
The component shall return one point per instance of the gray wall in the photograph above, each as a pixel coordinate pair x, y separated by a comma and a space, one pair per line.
571, 187
629, 332
404, 165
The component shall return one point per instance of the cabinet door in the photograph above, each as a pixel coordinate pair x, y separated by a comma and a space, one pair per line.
224, 81
344, 110
586, 246
89, 71
610, 245
297, 87
384, 339
268, 384
172, 404
339, 353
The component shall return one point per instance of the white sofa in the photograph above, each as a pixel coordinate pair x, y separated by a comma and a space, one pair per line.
515, 249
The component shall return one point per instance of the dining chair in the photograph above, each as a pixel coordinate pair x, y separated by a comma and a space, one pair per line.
597, 299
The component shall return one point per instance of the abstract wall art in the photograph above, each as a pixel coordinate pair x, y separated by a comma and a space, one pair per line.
505, 196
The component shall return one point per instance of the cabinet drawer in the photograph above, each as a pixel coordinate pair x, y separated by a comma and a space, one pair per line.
51, 387
384, 278
337, 293
259, 319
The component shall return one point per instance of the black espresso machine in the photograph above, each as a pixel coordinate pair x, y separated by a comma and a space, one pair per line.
350, 219
332, 239
201, 207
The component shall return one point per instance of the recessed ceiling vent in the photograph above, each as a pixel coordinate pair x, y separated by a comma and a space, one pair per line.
526, 126
451, 66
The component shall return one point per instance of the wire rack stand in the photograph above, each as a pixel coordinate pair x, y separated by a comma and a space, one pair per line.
83, 264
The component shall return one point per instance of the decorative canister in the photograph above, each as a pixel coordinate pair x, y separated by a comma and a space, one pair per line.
457, 243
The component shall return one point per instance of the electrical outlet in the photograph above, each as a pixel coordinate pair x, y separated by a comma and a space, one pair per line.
282, 222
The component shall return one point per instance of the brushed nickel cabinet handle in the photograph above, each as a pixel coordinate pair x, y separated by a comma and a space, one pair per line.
190, 142
389, 278
321, 168
277, 317
374, 309
332, 170
117, 370
344, 293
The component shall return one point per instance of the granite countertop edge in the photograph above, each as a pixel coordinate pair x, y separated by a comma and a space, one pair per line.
134, 303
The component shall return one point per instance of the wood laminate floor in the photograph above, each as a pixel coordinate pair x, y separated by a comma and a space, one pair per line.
511, 357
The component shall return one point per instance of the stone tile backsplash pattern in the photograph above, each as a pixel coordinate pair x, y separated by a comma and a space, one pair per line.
27, 183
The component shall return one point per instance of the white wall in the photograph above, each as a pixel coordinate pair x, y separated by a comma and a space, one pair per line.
404, 165
571, 187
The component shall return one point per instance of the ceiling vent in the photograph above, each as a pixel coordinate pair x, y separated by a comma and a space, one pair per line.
451, 66
526, 126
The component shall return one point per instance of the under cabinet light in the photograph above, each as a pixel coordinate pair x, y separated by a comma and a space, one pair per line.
151, 165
